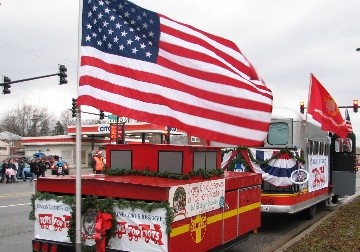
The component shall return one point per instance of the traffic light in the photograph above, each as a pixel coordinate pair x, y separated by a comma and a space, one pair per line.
6, 86
73, 108
102, 116
355, 105
62, 75
302, 107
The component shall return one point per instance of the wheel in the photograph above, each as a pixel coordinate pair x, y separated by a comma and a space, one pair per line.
310, 212
335, 199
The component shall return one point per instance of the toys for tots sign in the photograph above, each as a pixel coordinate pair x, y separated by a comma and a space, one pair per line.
136, 230
197, 198
52, 220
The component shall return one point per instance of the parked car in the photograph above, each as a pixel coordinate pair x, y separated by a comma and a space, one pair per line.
57, 165
49, 159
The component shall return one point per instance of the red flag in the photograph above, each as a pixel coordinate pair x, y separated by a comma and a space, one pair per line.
323, 109
143, 65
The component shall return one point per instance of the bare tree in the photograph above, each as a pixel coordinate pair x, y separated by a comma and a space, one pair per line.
28, 120
66, 120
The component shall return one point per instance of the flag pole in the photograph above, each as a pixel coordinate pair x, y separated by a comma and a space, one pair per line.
309, 93
78, 240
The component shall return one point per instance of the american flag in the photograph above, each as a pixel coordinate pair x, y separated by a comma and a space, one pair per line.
348, 122
142, 65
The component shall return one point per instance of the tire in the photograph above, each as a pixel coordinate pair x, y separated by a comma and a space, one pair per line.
310, 212
335, 199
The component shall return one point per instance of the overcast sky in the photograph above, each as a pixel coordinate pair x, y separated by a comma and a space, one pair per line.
285, 40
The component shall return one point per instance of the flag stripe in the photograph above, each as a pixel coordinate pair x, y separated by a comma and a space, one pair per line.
217, 130
208, 51
195, 48
222, 44
174, 100
200, 89
221, 75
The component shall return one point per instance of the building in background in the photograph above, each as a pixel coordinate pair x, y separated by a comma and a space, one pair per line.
12, 146
96, 137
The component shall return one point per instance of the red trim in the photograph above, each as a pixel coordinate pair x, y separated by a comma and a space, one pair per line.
60, 140
296, 198
128, 127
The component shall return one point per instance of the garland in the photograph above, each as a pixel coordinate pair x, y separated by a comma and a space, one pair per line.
104, 205
241, 160
201, 172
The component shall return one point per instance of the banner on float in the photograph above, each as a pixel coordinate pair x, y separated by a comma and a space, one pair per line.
137, 230
52, 220
197, 198
318, 172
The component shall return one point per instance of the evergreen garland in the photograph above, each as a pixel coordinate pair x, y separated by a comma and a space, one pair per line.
104, 205
201, 172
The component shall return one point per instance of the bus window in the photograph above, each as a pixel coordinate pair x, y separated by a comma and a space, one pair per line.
321, 149
278, 133
316, 148
309, 147
343, 145
327, 149
347, 145
338, 145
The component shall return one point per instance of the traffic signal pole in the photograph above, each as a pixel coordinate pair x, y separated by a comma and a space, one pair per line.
34, 78
354, 106
62, 74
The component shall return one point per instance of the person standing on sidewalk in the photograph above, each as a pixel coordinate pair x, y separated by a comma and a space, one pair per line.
34, 169
4, 166
13, 171
97, 162
42, 168
21, 166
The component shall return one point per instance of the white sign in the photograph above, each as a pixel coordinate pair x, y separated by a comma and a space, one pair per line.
140, 231
318, 172
197, 198
136, 230
52, 220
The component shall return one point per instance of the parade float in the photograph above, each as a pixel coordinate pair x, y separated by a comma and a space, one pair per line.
152, 198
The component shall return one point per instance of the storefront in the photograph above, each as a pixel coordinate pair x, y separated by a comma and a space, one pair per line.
96, 137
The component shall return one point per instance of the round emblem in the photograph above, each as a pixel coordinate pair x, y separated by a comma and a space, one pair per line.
89, 222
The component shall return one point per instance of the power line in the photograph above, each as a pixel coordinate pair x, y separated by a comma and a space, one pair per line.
36, 53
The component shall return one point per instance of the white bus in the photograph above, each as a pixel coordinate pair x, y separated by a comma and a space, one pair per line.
299, 163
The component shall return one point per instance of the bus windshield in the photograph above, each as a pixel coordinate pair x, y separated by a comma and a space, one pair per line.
278, 133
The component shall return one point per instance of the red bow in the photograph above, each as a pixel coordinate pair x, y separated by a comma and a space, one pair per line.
103, 223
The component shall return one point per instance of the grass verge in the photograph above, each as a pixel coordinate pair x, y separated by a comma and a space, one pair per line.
340, 232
